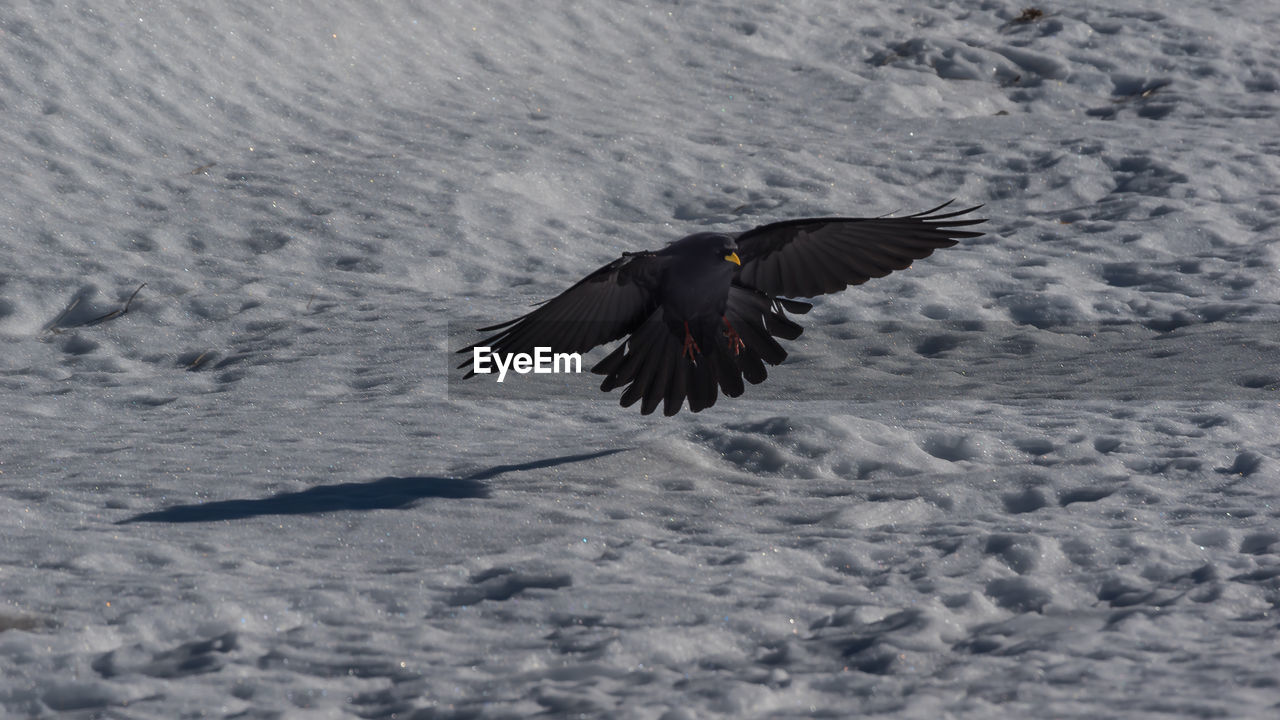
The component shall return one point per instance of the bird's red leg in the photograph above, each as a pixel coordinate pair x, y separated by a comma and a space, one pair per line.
690, 347
735, 342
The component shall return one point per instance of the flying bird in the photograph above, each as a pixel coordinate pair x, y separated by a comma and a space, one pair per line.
702, 314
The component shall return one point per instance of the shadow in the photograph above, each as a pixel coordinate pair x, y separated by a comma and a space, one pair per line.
387, 493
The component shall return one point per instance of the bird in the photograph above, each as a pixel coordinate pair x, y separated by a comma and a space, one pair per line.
705, 313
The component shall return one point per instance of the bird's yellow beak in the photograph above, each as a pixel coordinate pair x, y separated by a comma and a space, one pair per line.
733, 258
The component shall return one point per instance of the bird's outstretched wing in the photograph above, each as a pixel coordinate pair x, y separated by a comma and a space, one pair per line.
804, 258
604, 306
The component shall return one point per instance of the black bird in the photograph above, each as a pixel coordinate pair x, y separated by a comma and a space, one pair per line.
702, 313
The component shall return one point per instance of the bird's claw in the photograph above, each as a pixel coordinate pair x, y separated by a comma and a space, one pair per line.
690, 347
735, 341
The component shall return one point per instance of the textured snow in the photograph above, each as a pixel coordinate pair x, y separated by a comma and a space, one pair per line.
1036, 475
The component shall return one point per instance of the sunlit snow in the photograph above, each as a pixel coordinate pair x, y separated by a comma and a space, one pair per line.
1035, 475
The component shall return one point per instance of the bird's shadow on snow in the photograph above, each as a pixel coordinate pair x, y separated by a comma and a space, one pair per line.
386, 493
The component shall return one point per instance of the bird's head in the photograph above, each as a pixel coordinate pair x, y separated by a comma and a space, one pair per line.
708, 245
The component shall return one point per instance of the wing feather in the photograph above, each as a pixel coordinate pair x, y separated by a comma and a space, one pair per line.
804, 258
604, 306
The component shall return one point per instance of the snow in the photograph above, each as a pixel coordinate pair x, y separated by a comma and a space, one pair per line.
1033, 476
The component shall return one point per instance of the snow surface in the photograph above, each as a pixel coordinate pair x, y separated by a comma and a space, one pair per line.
1034, 476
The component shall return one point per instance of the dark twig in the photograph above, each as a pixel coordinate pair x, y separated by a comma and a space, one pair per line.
117, 313
56, 326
